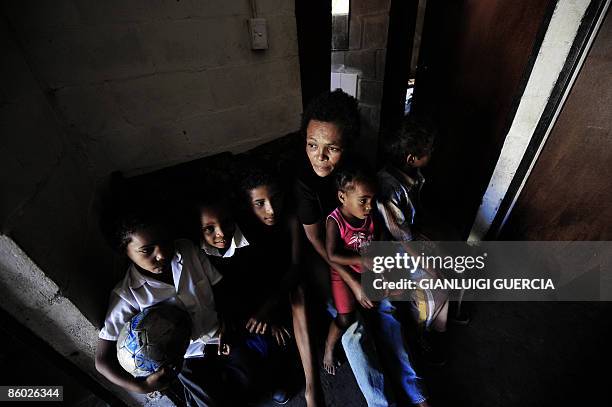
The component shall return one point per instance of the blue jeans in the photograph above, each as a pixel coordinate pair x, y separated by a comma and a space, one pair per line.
365, 360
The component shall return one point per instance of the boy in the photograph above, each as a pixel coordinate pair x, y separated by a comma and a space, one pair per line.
173, 272
400, 184
401, 181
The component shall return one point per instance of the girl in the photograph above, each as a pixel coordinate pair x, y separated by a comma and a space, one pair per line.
349, 228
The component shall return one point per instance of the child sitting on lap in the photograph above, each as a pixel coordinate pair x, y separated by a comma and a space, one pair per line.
349, 228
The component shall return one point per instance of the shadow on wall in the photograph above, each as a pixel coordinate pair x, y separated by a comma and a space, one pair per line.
190, 181
100, 87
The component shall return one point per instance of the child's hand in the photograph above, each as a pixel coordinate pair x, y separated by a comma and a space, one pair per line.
362, 298
256, 326
281, 334
259, 322
158, 380
224, 346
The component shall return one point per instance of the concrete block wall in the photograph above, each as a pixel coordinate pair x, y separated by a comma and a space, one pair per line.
146, 84
37, 302
92, 87
48, 193
368, 30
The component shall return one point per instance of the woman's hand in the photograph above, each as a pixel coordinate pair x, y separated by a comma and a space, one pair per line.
281, 334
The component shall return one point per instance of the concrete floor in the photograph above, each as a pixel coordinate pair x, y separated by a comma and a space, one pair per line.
513, 354
23, 363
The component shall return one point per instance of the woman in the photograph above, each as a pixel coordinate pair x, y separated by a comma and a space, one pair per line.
330, 126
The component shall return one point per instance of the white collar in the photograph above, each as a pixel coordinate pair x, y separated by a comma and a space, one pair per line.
238, 241
137, 279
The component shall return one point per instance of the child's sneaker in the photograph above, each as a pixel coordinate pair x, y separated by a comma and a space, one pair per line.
280, 396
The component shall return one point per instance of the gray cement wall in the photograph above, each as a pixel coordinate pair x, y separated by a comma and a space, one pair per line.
47, 189
368, 30
92, 87
37, 301
148, 84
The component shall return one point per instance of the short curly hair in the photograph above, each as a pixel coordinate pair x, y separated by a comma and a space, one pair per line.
212, 196
257, 176
335, 107
350, 174
129, 223
414, 137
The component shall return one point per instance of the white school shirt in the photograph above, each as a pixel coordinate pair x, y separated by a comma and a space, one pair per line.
193, 277
238, 241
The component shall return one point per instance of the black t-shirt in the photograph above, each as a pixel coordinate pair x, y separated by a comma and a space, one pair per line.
240, 277
232, 267
315, 197
271, 246
272, 254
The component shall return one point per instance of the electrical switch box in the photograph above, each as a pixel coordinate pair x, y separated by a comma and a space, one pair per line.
259, 33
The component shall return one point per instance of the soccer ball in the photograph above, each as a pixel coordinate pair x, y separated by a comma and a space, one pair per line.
153, 338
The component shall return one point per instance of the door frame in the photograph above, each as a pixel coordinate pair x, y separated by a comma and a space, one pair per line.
519, 154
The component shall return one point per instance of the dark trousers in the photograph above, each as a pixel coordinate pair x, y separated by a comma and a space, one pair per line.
214, 380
